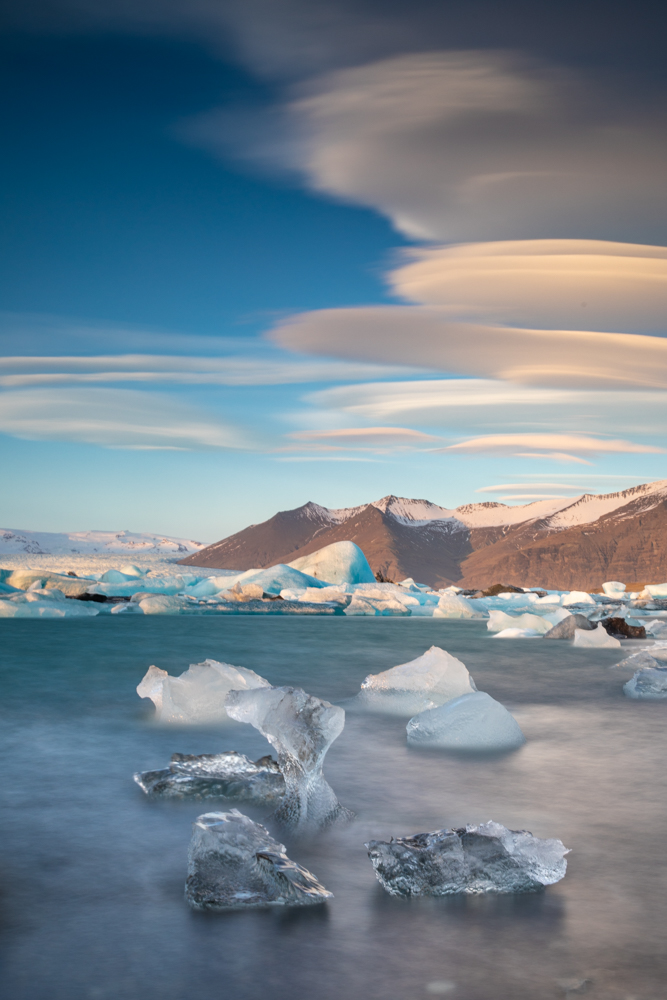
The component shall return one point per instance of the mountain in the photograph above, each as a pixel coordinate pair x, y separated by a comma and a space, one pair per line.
125, 543
573, 543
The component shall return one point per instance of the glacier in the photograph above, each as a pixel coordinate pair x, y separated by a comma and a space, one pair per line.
234, 864
227, 775
475, 859
431, 679
198, 695
301, 728
473, 722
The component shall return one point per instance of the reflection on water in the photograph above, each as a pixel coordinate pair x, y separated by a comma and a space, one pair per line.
92, 871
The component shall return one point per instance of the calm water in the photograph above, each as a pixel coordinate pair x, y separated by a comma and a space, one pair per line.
92, 872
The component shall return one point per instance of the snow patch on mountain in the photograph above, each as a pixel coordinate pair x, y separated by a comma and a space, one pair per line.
128, 543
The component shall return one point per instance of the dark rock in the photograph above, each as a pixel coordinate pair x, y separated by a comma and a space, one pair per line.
98, 598
619, 628
565, 628
72, 573
381, 578
501, 588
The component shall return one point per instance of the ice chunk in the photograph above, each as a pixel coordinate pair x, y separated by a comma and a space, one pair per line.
273, 579
301, 728
198, 695
500, 620
358, 606
566, 628
473, 722
43, 604
341, 562
162, 604
597, 638
641, 660
228, 775
518, 633
234, 863
577, 597
612, 588
432, 679
471, 860
453, 606
648, 684
657, 589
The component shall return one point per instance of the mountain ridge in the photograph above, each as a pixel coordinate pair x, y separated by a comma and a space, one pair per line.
559, 543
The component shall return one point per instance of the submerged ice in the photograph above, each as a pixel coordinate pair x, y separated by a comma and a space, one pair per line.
198, 695
234, 863
487, 858
228, 775
301, 728
649, 684
430, 680
473, 722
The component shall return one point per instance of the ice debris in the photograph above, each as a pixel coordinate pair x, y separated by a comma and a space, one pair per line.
597, 638
649, 684
487, 858
452, 605
500, 620
301, 728
518, 633
341, 562
234, 863
430, 680
198, 695
473, 722
228, 775
43, 603
613, 588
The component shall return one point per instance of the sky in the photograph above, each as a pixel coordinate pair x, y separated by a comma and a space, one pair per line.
258, 253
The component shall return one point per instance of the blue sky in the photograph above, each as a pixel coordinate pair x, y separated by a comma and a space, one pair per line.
255, 255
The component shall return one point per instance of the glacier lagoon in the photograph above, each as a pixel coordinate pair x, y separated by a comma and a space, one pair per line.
93, 870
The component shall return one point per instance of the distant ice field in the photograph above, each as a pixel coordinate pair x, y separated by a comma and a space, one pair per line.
93, 870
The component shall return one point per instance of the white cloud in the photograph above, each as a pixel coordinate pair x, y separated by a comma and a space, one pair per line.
558, 446
365, 437
114, 418
534, 486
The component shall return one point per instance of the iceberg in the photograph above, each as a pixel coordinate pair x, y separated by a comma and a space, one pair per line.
613, 588
273, 579
341, 562
597, 638
45, 603
641, 660
518, 633
234, 864
649, 684
566, 628
657, 589
487, 858
301, 728
358, 606
198, 695
500, 620
473, 722
577, 597
228, 775
453, 606
430, 680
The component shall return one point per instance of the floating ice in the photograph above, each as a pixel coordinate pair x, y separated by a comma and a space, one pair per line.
649, 684
613, 588
45, 603
273, 579
228, 775
657, 589
518, 633
453, 606
597, 638
430, 680
234, 863
341, 562
358, 606
500, 620
566, 628
301, 728
198, 695
641, 660
487, 858
473, 722
577, 597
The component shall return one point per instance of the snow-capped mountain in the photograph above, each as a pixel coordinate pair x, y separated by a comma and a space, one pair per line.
126, 543
568, 542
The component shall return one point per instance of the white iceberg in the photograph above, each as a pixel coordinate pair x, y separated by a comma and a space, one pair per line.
613, 588
648, 684
518, 633
453, 606
358, 606
234, 864
198, 695
430, 680
473, 722
227, 775
301, 728
596, 638
47, 603
487, 858
341, 562
500, 620
577, 597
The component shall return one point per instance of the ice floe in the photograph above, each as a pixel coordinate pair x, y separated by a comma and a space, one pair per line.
431, 679
649, 684
227, 775
198, 695
484, 858
234, 863
472, 722
301, 728
453, 606
597, 638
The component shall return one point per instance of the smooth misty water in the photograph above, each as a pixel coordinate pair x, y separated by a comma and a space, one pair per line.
93, 872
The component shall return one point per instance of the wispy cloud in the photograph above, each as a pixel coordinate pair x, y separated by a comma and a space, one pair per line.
560, 447
114, 418
534, 486
385, 438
